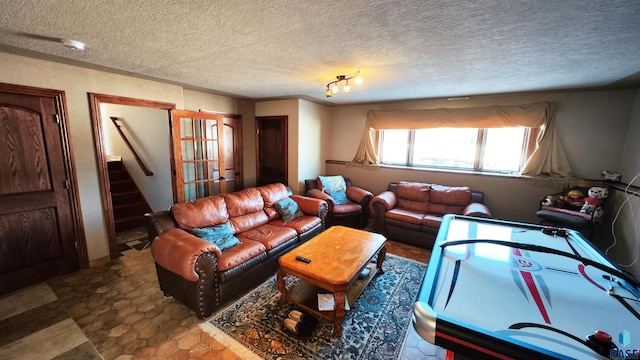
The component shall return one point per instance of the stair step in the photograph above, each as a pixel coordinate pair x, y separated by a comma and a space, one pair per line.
129, 223
115, 176
120, 187
129, 211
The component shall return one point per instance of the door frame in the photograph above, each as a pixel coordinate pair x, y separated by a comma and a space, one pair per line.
95, 101
70, 168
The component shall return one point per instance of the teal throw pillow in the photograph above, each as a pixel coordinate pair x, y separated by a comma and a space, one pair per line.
221, 235
288, 209
335, 187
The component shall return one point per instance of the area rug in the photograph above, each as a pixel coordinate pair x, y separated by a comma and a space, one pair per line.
374, 328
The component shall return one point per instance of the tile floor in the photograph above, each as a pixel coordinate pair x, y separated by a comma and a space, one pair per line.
115, 310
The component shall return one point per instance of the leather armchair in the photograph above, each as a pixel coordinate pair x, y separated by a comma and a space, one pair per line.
353, 214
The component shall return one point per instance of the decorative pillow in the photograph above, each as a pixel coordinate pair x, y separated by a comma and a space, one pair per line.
221, 235
335, 187
288, 209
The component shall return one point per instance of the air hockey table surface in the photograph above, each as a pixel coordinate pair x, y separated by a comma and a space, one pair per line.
497, 289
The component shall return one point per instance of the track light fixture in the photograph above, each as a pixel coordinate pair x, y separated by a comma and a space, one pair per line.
333, 89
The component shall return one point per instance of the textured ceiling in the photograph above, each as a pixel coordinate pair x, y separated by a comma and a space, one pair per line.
276, 48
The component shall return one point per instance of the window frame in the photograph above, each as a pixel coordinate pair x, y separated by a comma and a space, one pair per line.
529, 145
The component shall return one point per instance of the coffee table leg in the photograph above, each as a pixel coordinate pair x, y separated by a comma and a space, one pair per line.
338, 311
281, 287
381, 255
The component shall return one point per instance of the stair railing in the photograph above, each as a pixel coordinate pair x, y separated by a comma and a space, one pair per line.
126, 141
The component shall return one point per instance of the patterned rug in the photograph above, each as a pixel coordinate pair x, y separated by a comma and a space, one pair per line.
374, 328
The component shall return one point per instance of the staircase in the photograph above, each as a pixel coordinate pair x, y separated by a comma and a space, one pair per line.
129, 205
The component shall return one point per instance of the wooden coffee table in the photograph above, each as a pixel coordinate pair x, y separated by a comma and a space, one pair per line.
338, 256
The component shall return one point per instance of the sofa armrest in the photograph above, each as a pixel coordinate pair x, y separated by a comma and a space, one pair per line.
177, 251
158, 222
360, 196
384, 201
316, 193
379, 206
311, 206
477, 209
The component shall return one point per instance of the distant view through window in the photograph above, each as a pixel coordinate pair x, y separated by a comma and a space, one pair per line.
501, 150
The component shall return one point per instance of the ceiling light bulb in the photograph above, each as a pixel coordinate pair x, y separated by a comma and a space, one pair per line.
329, 94
346, 89
73, 44
358, 80
334, 89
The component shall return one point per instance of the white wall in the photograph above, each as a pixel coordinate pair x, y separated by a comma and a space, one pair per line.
77, 82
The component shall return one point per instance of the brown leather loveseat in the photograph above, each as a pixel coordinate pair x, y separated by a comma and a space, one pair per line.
201, 275
411, 212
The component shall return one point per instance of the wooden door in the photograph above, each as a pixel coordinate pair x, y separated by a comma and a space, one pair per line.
38, 211
232, 151
271, 139
206, 152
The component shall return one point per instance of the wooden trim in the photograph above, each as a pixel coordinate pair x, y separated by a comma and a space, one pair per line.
95, 100
74, 195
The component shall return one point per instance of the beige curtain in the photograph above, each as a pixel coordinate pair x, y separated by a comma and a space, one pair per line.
549, 159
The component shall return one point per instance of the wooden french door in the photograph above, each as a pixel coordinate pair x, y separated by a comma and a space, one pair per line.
39, 230
271, 139
207, 156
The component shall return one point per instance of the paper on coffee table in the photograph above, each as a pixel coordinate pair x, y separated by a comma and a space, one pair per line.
326, 302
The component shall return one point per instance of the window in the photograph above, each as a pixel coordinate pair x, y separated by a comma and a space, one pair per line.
502, 150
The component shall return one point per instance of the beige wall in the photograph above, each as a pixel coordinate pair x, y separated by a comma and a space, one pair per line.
77, 82
313, 133
623, 235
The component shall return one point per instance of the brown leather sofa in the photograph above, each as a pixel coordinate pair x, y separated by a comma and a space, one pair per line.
411, 212
354, 214
203, 277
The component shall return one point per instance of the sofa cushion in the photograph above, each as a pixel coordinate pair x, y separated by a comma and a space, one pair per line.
449, 199
432, 221
200, 213
288, 209
334, 186
347, 208
240, 254
269, 235
450, 195
404, 215
271, 194
413, 196
221, 235
244, 202
301, 225
246, 209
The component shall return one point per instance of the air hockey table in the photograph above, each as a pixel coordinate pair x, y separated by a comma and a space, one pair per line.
506, 290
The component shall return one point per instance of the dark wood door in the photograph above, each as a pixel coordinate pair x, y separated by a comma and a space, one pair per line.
271, 133
38, 239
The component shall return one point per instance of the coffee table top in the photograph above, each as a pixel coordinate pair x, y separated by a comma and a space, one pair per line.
337, 255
